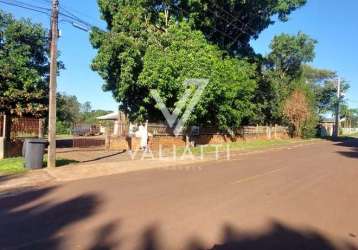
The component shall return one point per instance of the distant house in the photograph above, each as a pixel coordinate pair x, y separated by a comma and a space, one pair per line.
327, 126
119, 122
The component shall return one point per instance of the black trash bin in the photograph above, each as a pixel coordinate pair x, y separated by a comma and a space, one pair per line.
33, 151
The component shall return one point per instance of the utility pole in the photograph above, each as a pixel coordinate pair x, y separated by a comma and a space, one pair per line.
338, 118
51, 162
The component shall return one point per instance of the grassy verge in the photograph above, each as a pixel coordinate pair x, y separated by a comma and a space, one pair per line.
12, 166
16, 165
244, 146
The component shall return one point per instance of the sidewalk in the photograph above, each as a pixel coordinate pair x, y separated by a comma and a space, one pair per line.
36, 178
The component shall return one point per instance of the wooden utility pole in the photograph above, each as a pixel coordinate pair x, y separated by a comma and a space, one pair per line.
51, 162
338, 118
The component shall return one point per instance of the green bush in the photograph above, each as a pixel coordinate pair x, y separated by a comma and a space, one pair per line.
62, 128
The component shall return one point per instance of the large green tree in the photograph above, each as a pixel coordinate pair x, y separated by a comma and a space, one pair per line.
68, 112
135, 27
24, 67
184, 54
282, 72
231, 24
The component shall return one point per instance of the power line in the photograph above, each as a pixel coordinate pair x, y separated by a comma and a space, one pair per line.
70, 10
28, 5
25, 7
70, 18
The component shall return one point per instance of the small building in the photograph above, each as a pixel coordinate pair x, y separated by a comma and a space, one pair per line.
327, 126
119, 122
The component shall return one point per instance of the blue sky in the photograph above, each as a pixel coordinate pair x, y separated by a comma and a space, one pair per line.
333, 23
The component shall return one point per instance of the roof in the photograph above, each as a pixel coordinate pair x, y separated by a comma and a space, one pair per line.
109, 117
331, 120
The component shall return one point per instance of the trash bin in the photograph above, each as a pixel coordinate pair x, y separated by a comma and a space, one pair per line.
33, 151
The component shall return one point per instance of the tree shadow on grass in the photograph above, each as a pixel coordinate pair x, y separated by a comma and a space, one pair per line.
24, 225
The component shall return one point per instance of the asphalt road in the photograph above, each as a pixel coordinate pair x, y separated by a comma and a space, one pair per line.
298, 198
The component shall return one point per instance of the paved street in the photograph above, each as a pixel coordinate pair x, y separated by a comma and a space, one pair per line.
299, 198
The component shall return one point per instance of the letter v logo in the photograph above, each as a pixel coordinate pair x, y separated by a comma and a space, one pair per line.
173, 119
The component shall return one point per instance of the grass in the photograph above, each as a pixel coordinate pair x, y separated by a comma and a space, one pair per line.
12, 166
244, 145
16, 165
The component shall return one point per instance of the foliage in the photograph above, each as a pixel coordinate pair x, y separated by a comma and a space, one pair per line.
350, 115
24, 67
153, 44
288, 53
138, 30
183, 54
86, 107
230, 24
282, 69
68, 109
91, 116
297, 110
71, 111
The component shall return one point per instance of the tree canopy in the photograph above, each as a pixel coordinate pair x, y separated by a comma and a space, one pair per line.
157, 44
231, 24
184, 54
153, 44
24, 67
282, 71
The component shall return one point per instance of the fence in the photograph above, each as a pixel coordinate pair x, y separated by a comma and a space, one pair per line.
25, 127
269, 131
162, 135
349, 131
22, 127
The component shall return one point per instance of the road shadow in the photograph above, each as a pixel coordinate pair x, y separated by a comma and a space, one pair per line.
350, 144
106, 239
24, 225
26, 222
279, 236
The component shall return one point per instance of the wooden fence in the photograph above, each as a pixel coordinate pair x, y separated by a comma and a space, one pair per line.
163, 130
22, 127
